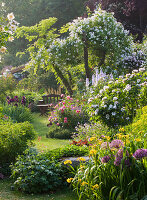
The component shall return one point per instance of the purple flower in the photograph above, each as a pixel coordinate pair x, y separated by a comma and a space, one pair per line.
8, 97
119, 157
11, 100
16, 98
116, 144
23, 101
140, 153
105, 159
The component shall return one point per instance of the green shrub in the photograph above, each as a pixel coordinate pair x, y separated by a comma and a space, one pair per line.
17, 113
86, 131
35, 173
7, 85
14, 139
67, 151
116, 104
59, 132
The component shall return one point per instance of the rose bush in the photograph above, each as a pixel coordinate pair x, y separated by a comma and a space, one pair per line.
68, 114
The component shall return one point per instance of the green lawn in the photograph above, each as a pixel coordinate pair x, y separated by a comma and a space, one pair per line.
40, 126
7, 194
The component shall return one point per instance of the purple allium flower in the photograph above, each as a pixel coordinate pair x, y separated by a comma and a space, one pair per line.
140, 153
105, 159
16, 98
116, 144
16, 104
8, 97
119, 157
11, 100
23, 101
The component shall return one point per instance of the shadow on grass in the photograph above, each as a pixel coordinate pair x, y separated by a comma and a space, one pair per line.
7, 194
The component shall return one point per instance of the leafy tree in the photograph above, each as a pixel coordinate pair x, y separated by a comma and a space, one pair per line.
132, 13
30, 12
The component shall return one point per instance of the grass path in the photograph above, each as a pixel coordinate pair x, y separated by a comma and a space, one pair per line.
40, 126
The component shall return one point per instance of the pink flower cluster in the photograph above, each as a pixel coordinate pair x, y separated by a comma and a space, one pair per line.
114, 144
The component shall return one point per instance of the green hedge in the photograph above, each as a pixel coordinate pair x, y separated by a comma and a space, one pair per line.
14, 139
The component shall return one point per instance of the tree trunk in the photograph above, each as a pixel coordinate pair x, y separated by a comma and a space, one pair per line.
64, 80
88, 74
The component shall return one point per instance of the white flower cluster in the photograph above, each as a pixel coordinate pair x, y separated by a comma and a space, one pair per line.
8, 30
102, 30
112, 101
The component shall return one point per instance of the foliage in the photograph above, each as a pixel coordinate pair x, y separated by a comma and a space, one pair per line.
106, 39
36, 174
65, 56
18, 113
7, 193
131, 13
68, 114
59, 132
14, 139
41, 82
7, 84
64, 11
134, 61
137, 130
117, 102
86, 131
115, 170
32, 98
67, 151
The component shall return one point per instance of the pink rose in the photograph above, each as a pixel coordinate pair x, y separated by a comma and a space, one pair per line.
78, 111
68, 97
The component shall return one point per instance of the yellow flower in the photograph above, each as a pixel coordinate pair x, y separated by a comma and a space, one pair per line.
79, 180
92, 152
119, 135
127, 141
138, 139
107, 137
84, 183
100, 142
92, 138
69, 180
122, 129
67, 162
96, 186
81, 159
